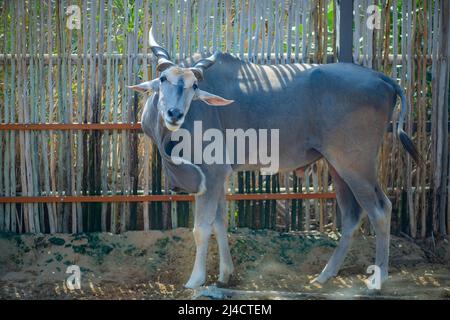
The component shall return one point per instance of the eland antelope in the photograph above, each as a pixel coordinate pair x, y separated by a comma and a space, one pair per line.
338, 112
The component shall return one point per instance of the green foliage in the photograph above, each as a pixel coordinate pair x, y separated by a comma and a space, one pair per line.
161, 245
93, 248
57, 241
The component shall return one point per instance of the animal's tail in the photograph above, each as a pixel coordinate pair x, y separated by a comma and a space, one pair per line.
401, 134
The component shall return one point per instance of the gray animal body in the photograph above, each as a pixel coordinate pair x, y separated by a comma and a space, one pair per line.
338, 112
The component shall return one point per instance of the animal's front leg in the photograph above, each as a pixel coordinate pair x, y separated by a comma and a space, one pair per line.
202, 234
205, 213
220, 229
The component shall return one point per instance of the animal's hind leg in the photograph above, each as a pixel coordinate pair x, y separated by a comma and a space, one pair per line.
351, 214
380, 218
378, 207
361, 178
221, 231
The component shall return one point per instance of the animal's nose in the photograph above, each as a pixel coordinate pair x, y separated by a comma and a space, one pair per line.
175, 114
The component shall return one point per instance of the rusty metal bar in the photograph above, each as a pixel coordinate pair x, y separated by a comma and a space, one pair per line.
118, 126
69, 126
162, 197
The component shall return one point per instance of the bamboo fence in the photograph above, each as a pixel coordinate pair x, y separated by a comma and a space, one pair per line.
73, 157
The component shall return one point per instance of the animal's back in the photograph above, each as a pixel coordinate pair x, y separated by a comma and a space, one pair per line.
302, 93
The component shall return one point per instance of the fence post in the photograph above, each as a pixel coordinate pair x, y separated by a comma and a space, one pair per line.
344, 24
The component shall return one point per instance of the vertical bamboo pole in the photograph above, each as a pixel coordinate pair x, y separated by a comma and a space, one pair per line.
394, 150
410, 23
181, 42
3, 134
263, 36
106, 115
43, 115
442, 102
146, 143
15, 221
187, 37
229, 27
305, 25
423, 134
290, 18
200, 26
325, 31
241, 30
294, 203
334, 36
92, 117
315, 29
23, 181
72, 151
277, 32
236, 27
207, 14
287, 207
297, 5
250, 5
311, 32
134, 157
13, 216
24, 137
214, 18
258, 23
34, 148
435, 123
125, 99
307, 202
115, 154
8, 104
270, 31
100, 216
402, 171
61, 80
86, 112
79, 135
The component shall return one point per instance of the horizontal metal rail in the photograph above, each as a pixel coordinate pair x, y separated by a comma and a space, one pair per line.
115, 126
163, 197
69, 126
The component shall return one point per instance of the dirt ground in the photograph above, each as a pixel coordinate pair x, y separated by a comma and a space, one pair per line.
269, 264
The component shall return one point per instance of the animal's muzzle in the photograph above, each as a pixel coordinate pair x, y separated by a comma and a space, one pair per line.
174, 115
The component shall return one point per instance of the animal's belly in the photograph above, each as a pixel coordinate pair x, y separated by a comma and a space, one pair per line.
286, 163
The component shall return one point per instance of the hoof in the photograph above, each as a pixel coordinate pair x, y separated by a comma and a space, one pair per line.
322, 278
193, 284
221, 284
225, 278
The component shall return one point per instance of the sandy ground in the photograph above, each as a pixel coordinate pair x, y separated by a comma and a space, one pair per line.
155, 265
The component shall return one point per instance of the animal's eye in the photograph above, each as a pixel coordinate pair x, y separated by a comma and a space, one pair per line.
163, 78
195, 86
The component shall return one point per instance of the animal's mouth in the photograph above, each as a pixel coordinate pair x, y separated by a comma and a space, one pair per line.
173, 125
170, 123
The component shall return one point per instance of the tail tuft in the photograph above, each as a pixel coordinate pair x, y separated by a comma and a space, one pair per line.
410, 147
406, 141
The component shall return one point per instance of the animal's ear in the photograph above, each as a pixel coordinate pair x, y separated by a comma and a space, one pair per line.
212, 99
146, 86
